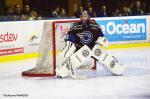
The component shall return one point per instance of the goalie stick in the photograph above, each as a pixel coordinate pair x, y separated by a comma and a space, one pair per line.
76, 77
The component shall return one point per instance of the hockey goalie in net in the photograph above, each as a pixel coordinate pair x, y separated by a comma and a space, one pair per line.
84, 40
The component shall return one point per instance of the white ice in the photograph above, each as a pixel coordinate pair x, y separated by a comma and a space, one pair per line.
135, 84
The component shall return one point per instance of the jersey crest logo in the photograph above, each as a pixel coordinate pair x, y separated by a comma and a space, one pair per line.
86, 37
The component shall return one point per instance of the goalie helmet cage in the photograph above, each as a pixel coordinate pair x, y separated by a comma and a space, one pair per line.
47, 62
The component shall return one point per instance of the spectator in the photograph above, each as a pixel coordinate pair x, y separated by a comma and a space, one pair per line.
55, 12
137, 9
24, 17
88, 4
62, 13
125, 11
34, 15
148, 11
116, 13
26, 10
91, 12
103, 11
79, 12
17, 10
129, 11
9, 11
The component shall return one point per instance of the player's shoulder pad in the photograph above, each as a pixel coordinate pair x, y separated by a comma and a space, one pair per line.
94, 24
74, 26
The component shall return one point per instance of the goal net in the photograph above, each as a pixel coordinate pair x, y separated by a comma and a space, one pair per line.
52, 42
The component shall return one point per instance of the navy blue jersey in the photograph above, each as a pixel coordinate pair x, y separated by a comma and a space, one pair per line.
80, 34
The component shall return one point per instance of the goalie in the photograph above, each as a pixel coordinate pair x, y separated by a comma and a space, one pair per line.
82, 42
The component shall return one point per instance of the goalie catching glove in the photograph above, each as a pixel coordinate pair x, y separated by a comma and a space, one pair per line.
102, 41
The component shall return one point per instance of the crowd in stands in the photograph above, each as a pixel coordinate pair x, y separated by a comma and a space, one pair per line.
25, 13
59, 12
28, 13
134, 9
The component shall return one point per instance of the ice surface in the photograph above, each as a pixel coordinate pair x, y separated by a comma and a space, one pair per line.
135, 84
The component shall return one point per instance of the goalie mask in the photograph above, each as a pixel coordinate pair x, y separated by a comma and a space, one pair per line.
85, 18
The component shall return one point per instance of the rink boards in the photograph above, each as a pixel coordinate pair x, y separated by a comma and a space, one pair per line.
20, 39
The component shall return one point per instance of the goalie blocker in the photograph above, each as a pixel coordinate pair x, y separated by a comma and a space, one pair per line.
109, 62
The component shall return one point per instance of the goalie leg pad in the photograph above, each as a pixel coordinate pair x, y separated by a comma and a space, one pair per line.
110, 63
64, 70
68, 50
75, 61
80, 56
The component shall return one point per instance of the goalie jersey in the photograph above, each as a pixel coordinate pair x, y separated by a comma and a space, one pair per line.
82, 35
